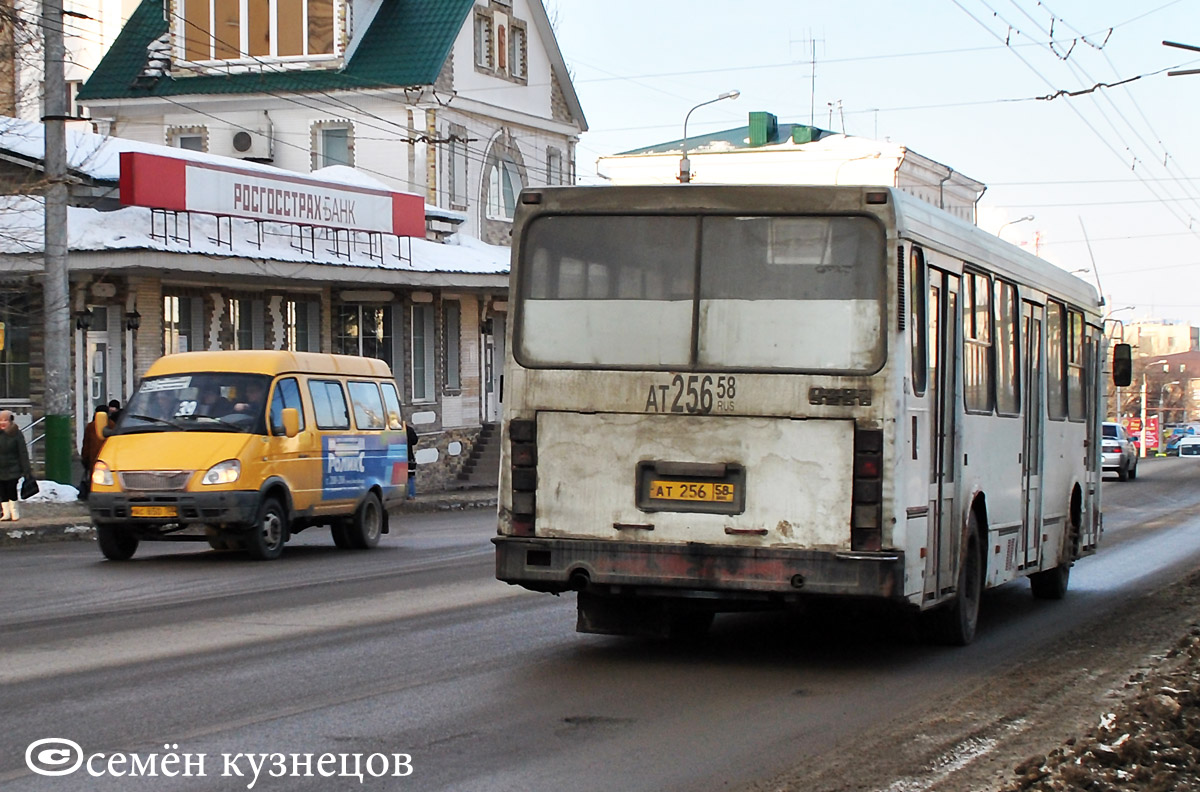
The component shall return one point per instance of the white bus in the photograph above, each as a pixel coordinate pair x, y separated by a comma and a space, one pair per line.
739, 397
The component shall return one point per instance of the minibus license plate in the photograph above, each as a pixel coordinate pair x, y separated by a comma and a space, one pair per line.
706, 492
153, 511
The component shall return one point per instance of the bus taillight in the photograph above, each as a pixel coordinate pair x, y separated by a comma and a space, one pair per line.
866, 527
522, 438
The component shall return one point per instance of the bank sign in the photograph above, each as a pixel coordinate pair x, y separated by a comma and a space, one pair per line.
183, 185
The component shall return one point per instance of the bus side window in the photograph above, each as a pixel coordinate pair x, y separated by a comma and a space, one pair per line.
1056, 343
368, 407
918, 327
391, 401
1076, 402
329, 403
977, 342
1007, 354
287, 394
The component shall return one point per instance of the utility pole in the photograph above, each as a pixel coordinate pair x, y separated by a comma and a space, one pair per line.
56, 286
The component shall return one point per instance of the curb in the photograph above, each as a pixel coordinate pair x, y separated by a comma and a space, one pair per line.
71, 529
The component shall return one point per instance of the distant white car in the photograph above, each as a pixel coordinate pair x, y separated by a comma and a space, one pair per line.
1117, 451
1189, 446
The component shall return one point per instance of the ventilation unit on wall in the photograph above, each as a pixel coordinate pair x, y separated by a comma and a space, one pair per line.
249, 142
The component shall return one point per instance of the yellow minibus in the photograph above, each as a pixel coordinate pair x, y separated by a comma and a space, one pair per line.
245, 448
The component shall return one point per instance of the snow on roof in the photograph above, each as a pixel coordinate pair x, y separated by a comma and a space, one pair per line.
21, 233
99, 156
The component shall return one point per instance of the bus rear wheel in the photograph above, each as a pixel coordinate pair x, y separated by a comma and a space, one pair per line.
367, 524
955, 623
1050, 584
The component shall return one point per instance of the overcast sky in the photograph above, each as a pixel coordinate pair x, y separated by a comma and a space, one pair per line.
957, 81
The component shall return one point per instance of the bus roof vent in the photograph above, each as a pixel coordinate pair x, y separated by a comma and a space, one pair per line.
802, 133
764, 127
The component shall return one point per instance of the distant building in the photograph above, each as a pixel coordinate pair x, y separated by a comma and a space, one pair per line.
766, 151
1154, 339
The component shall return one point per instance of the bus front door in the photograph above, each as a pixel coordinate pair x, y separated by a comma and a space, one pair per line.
944, 534
1031, 448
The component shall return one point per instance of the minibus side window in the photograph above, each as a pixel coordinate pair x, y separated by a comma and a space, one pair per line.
287, 394
368, 407
329, 403
392, 399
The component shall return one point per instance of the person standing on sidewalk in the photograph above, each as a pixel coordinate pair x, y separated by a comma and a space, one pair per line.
14, 463
90, 451
412, 458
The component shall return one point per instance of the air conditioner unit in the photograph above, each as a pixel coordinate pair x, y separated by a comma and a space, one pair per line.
251, 144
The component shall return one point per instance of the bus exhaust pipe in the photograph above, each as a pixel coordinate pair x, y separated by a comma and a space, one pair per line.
579, 580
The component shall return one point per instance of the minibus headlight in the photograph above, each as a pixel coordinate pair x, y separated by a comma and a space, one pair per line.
225, 472
102, 475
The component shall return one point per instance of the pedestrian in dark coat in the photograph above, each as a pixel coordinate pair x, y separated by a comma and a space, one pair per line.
412, 459
14, 464
90, 451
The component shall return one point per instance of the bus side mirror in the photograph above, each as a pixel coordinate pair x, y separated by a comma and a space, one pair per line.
103, 429
1122, 369
291, 421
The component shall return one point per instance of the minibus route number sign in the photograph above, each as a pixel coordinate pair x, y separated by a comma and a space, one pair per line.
694, 394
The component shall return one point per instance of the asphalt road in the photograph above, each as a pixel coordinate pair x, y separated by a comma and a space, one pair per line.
414, 648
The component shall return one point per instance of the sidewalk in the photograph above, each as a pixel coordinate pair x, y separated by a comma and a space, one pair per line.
52, 521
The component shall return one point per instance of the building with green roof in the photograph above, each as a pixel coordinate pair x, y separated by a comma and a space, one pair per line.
458, 101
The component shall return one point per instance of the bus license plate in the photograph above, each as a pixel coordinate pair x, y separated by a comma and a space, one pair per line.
703, 492
153, 511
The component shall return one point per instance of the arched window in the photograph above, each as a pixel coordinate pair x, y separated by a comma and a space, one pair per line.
504, 184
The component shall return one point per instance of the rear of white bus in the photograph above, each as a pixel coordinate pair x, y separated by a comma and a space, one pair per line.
696, 396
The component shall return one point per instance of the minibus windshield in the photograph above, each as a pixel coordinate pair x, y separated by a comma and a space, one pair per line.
201, 401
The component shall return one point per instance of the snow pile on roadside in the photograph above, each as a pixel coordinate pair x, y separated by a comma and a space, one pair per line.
53, 492
1150, 742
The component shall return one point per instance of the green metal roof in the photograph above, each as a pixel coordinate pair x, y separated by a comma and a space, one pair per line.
407, 43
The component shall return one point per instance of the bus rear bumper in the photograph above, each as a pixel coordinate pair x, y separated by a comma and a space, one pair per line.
719, 571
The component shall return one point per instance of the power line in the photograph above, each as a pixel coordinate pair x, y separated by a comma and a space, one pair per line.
1103, 140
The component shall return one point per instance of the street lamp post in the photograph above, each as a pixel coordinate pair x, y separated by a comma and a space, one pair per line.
685, 165
1011, 222
1162, 413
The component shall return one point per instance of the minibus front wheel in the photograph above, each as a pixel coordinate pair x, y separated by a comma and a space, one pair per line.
117, 544
266, 537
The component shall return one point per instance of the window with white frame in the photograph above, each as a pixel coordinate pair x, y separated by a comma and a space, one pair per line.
183, 323
517, 55
246, 322
504, 184
456, 166
422, 352
483, 39
332, 144
554, 166
73, 106
227, 30
452, 333
501, 42
364, 330
191, 138
302, 325
15, 326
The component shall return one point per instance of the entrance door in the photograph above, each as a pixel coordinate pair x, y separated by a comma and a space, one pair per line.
941, 573
493, 367
1089, 518
1034, 425
97, 370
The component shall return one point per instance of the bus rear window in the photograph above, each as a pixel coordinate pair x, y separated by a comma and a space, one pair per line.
717, 292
